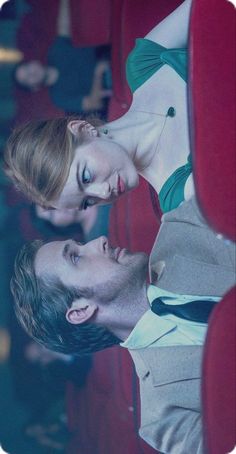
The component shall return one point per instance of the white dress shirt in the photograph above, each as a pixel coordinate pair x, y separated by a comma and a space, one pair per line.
153, 330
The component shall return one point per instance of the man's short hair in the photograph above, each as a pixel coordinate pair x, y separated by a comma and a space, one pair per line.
41, 304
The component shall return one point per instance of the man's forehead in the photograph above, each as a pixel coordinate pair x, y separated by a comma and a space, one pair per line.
47, 256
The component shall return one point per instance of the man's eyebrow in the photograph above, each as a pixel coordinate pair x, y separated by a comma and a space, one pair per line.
67, 247
65, 250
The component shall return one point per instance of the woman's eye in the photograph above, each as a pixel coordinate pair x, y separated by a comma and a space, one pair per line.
89, 203
86, 176
75, 258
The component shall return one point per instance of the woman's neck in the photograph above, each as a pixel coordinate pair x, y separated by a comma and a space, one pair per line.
138, 133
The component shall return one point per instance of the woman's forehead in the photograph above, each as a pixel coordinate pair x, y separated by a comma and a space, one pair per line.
71, 195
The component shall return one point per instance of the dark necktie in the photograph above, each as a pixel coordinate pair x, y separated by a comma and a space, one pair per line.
196, 311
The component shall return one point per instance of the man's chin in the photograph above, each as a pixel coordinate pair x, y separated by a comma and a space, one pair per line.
145, 261
143, 257
138, 259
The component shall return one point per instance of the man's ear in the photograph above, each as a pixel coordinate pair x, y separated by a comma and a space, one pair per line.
78, 126
81, 311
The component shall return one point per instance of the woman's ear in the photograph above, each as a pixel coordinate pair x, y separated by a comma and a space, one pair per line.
76, 127
80, 311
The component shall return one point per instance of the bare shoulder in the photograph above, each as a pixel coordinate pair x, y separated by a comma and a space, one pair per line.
173, 30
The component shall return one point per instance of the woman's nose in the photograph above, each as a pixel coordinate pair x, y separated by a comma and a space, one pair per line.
99, 190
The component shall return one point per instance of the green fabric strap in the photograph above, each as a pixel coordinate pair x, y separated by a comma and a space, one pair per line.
147, 57
172, 192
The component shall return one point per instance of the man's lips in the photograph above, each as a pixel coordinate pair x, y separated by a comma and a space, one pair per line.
119, 252
120, 185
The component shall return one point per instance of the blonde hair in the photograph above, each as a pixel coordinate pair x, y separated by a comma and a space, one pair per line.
38, 157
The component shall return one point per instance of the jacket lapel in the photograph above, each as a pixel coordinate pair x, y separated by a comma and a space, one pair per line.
168, 364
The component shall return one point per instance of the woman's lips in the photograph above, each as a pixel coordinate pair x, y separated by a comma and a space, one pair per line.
120, 185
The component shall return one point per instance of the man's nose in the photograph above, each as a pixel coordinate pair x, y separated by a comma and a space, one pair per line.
99, 190
98, 245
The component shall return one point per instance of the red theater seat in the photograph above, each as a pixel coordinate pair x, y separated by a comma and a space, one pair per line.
34, 36
212, 106
219, 378
38, 29
131, 19
104, 416
90, 22
212, 98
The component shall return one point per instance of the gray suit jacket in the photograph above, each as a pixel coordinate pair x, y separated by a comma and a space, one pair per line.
187, 258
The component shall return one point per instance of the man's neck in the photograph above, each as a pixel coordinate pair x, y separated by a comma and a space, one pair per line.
130, 313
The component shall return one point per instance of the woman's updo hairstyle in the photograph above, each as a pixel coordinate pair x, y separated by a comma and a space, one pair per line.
38, 157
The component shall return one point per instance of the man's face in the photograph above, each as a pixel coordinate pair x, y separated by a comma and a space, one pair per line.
110, 272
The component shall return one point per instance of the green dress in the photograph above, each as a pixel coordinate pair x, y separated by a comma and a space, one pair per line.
146, 58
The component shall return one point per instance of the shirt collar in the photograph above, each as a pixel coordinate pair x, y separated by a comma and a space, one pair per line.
150, 327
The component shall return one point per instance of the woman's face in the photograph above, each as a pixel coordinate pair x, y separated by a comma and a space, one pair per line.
101, 171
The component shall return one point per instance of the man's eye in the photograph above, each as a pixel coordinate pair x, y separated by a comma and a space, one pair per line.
89, 203
86, 176
74, 258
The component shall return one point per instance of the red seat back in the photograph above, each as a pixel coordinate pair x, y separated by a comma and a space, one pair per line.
90, 22
212, 98
132, 19
219, 378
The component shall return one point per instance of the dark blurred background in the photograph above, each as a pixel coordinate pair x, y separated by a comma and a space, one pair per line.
33, 417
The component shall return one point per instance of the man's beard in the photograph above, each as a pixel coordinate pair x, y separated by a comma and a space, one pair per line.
129, 281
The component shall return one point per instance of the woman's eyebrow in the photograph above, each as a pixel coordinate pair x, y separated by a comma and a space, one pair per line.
48, 208
81, 207
78, 179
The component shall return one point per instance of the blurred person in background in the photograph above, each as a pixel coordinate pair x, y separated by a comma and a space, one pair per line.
78, 78
93, 222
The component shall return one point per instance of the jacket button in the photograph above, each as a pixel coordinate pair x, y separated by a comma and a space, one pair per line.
171, 112
147, 374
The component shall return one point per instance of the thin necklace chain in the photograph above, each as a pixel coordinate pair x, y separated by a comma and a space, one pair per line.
146, 112
159, 138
